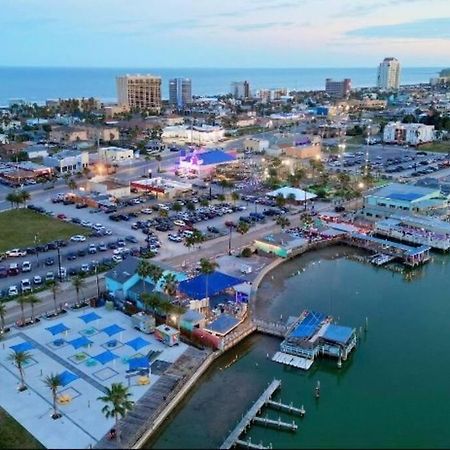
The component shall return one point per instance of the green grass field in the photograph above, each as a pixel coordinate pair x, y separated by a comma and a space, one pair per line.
20, 226
13, 435
441, 147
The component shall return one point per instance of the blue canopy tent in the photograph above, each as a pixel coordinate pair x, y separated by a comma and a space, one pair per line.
195, 288
23, 347
137, 343
105, 357
82, 341
138, 363
67, 377
113, 329
86, 318
58, 328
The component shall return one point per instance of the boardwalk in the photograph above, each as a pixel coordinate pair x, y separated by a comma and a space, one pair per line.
249, 416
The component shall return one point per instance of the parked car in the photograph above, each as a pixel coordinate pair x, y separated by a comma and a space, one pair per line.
117, 258
15, 252
71, 256
102, 247
3, 272
13, 269
25, 286
92, 249
50, 276
13, 291
131, 239
85, 268
37, 280
78, 238
174, 237
26, 266
49, 261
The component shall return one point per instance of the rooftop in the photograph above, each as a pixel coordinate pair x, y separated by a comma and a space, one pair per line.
405, 192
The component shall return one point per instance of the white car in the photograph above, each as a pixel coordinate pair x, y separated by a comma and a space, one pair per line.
62, 272
146, 211
163, 207
78, 238
85, 268
13, 291
117, 258
118, 251
25, 285
179, 223
108, 232
16, 252
50, 276
26, 266
37, 280
174, 238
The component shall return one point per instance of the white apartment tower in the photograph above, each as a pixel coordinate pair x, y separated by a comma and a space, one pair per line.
141, 92
389, 74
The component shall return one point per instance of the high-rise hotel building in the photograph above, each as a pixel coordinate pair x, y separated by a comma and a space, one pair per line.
180, 92
389, 74
141, 92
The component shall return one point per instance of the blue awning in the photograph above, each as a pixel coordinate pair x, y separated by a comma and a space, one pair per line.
113, 329
89, 317
56, 329
195, 288
82, 341
23, 347
223, 324
67, 377
137, 343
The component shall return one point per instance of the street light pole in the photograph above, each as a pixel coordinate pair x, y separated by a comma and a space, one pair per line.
98, 285
59, 263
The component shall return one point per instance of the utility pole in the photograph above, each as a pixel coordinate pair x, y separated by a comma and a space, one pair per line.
59, 263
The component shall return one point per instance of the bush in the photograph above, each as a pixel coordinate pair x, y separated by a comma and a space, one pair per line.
246, 252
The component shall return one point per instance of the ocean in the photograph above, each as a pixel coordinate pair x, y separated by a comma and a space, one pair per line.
37, 84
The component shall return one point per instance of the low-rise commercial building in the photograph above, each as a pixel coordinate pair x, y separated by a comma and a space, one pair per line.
162, 187
338, 89
205, 134
306, 147
403, 199
114, 154
408, 133
68, 161
64, 134
255, 145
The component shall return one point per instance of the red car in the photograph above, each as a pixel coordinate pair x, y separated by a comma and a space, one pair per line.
61, 216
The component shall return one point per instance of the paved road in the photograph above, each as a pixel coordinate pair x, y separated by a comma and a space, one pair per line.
66, 294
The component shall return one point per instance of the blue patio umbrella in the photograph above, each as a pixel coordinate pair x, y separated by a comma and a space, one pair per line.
105, 357
67, 377
138, 363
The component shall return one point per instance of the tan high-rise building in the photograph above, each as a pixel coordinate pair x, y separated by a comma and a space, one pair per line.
139, 92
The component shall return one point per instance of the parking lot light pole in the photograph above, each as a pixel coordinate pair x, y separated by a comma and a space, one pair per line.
59, 263
36, 239
97, 281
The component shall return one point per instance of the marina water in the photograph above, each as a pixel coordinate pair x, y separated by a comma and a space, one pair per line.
392, 392
37, 84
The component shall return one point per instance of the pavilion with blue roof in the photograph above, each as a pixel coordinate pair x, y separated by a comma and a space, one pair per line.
203, 285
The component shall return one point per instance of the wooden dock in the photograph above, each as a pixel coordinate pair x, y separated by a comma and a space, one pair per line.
250, 444
287, 408
233, 437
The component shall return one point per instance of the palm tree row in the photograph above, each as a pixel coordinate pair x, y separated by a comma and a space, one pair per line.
29, 299
17, 198
148, 270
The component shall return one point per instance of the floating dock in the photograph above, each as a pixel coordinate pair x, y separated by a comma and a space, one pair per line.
291, 360
251, 416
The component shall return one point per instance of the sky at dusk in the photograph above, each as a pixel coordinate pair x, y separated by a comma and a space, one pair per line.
224, 33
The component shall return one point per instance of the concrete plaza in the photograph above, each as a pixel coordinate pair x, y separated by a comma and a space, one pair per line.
87, 370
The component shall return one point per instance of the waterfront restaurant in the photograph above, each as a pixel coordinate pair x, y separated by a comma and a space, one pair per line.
314, 334
280, 244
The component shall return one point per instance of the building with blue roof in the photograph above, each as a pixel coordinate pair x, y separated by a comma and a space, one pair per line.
397, 198
314, 334
205, 162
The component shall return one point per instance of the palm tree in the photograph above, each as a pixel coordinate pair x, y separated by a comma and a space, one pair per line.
19, 359
23, 196
151, 300
78, 283
189, 242
158, 158
283, 222
32, 300
53, 382
12, 197
144, 270
235, 196
169, 284
165, 307
21, 301
54, 286
118, 403
281, 201
207, 267
2, 316
155, 273
176, 207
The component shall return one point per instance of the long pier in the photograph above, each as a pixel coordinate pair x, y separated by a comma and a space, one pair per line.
250, 444
266, 421
287, 408
246, 421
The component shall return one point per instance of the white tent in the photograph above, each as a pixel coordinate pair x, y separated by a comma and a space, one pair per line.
286, 192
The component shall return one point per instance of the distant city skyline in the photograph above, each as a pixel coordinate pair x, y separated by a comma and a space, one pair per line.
213, 33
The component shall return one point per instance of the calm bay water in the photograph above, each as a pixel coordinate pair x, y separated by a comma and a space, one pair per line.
393, 392
39, 84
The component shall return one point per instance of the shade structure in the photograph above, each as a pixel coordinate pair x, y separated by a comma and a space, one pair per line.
67, 377
202, 285
137, 343
23, 347
113, 329
138, 363
86, 318
82, 341
58, 328
105, 357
